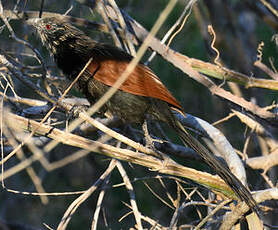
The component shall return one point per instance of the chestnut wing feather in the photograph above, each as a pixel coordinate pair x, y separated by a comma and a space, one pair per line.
142, 81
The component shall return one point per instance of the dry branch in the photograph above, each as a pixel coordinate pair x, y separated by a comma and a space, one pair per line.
166, 166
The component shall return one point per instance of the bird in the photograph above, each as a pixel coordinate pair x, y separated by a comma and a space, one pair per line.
142, 96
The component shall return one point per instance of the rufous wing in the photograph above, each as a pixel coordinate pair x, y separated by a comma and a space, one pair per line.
142, 81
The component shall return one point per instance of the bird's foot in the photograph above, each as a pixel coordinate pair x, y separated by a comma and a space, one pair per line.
149, 140
76, 109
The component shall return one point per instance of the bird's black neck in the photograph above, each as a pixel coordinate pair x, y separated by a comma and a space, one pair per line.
72, 53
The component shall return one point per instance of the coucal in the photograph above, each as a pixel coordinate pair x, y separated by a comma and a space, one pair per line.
142, 95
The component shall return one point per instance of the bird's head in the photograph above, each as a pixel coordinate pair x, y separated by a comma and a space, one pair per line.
54, 31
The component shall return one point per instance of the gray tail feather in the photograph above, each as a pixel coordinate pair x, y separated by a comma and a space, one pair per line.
240, 190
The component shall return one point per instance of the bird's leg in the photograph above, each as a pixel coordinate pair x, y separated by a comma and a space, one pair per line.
149, 140
75, 110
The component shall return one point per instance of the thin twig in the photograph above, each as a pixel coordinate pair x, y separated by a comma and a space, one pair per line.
77, 202
131, 192
99, 202
216, 209
38, 55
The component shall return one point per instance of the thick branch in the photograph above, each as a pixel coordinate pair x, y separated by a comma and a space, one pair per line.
162, 166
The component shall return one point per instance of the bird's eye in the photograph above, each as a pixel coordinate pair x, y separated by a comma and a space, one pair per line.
48, 27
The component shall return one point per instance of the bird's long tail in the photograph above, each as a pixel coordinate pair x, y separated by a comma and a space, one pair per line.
241, 191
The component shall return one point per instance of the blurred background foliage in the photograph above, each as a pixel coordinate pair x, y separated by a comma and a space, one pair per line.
240, 25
